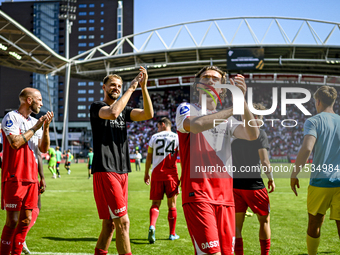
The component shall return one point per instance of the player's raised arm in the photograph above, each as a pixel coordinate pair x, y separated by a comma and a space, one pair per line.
44, 142
146, 113
112, 87
247, 132
148, 163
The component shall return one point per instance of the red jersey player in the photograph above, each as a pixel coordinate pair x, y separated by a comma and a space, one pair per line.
162, 152
19, 178
205, 151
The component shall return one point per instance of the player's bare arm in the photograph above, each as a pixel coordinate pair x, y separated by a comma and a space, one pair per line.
246, 132
42, 185
301, 159
263, 153
44, 142
16, 141
112, 111
147, 168
146, 113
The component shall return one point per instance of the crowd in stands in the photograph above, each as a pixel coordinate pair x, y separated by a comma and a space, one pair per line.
283, 141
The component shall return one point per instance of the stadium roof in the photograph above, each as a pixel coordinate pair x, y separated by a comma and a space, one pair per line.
291, 45
20, 49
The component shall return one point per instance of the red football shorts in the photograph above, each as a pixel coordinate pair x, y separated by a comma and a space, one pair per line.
257, 200
19, 195
158, 188
110, 192
211, 227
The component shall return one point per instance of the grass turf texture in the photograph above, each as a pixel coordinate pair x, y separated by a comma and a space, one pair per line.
69, 223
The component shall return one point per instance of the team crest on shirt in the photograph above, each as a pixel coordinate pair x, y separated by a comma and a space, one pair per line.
9, 123
184, 109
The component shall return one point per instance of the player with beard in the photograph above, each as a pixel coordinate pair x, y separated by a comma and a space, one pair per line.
111, 162
23, 138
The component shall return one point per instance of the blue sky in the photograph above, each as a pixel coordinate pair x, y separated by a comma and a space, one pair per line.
151, 14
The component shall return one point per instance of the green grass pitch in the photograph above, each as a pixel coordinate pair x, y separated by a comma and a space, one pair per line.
69, 223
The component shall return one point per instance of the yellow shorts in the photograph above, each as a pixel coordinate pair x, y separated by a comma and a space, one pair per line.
320, 199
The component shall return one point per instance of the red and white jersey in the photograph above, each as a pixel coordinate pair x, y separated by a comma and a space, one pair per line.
21, 164
206, 159
164, 156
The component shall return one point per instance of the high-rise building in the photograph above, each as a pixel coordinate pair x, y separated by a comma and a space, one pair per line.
96, 22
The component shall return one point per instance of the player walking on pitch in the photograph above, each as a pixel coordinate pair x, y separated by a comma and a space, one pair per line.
89, 161
321, 132
162, 152
111, 162
249, 190
58, 158
23, 138
207, 197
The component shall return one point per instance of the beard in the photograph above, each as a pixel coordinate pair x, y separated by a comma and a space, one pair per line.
112, 95
34, 108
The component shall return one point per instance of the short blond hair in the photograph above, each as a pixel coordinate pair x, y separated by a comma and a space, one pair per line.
326, 94
111, 76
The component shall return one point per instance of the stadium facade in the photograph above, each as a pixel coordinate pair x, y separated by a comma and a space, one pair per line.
96, 23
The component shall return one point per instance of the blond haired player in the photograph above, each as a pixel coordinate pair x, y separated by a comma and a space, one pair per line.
321, 132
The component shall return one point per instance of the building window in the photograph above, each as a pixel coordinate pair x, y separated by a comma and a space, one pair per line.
91, 28
91, 21
81, 83
82, 21
101, 36
101, 91
81, 44
101, 43
81, 91
81, 107
82, 6
101, 98
81, 28
102, 13
91, 5
91, 91
102, 21
80, 52
89, 107
91, 44
81, 115
89, 115
81, 99
91, 36
101, 28
101, 5
82, 37
82, 13
91, 13
91, 99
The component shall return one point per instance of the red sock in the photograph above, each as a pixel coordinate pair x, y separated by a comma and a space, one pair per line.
19, 238
172, 218
265, 246
6, 240
130, 253
99, 252
154, 212
35, 214
239, 246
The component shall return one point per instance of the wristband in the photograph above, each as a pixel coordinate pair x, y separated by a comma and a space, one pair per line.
32, 130
270, 176
24, 138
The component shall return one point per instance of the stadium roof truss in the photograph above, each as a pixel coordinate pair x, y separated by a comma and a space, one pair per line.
20, 49
291, 45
